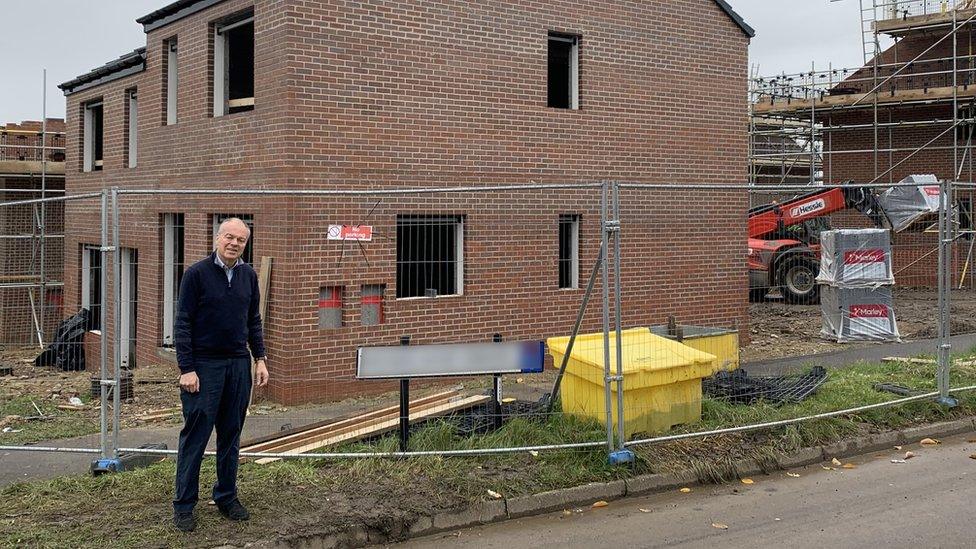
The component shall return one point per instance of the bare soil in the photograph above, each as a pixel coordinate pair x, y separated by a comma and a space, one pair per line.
781, 330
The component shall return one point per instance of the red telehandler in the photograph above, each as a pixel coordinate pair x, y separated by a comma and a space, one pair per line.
784, 238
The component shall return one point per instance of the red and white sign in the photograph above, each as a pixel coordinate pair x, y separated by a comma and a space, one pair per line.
869, 311
808, 207
351, 232
853, 257
931, 191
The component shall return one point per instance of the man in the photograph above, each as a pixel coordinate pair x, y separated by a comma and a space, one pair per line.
218, 318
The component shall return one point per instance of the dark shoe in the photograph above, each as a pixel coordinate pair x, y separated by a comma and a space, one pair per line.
184, 522
234, 510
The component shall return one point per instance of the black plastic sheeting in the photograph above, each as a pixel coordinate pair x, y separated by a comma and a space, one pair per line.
738, 387
67, 351
481, 419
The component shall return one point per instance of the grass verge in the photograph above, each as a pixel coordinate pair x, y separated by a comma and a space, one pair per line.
305, 497
31, 420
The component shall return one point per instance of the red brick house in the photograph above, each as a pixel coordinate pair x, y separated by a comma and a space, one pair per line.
275, 94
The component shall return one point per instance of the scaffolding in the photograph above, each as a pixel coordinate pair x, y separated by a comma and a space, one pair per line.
915, 94
26, 158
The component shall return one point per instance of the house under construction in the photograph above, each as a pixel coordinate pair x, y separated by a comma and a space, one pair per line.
908, 110
31, 240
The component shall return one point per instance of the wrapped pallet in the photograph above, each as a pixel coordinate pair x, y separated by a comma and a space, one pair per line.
854, 258
913, 207
858, 314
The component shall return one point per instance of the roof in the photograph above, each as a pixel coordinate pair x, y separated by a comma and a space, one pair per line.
182, 8
129, 63
173, 12
750, 32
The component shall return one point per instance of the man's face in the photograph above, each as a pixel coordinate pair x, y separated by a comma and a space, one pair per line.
231, 242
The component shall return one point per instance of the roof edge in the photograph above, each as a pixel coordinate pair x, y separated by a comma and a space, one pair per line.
750, 32
125, 65
173, 12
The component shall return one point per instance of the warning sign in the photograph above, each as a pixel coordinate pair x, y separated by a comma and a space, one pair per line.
351, 232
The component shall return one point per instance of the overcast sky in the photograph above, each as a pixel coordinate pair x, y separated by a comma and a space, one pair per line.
71, 37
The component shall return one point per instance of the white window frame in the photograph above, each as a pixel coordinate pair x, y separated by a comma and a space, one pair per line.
170, 289
88, 136
87, 251
172, 81
573, 66
574, 221
221, 78
459, 253
127, 321
459, 260
132, 97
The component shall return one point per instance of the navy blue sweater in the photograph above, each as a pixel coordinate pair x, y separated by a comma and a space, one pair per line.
216, 318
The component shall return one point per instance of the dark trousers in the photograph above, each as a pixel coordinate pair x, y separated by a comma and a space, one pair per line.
225, 388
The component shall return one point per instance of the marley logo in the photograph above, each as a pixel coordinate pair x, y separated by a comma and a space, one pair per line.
869, 311
864, 256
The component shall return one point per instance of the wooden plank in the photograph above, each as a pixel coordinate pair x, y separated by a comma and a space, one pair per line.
925, 361
264, 284
901, 25
330, 425
884, 98
905, 360
385, 426
348, 427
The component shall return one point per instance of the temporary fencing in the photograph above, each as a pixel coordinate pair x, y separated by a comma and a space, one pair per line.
639, 291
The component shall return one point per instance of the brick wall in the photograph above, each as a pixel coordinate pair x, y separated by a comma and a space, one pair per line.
370, 96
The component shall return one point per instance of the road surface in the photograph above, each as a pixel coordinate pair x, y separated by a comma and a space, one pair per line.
928, 501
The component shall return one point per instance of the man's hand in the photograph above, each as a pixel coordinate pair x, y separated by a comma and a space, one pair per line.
261, 373
189, 382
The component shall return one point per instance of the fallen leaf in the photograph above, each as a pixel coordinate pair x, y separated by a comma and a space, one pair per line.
533, 453
794, 475
898, 461
897, 447
720, 526
642, 510
748, 481
685, 490
519, 380
972, 456
929, 442
600, 503
849, 466
494, 494
909, 454
836, 462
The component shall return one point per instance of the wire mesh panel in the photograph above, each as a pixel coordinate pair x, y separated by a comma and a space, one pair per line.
48, 336
345, 270
745, 340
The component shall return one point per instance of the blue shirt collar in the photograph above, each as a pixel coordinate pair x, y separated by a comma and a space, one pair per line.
221, 264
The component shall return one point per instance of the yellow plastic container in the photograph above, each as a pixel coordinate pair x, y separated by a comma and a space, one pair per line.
721, 342
662, 379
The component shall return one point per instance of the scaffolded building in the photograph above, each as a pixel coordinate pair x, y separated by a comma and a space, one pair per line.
909, 109
31, 236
